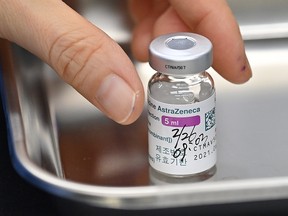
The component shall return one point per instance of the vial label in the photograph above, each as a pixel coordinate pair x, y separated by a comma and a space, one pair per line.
182, 137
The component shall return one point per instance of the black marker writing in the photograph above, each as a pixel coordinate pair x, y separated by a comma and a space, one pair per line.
186, 138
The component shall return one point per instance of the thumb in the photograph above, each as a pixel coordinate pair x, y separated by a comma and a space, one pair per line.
83, 55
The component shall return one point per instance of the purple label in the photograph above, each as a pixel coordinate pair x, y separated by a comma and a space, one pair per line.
180, 121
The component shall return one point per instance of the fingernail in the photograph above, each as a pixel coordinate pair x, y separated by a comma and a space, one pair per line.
116, 98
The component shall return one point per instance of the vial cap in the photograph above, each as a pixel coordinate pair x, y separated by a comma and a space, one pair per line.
180, 53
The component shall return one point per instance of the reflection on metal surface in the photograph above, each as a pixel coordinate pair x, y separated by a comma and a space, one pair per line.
105, 164
39, 122
100, 152
37, 125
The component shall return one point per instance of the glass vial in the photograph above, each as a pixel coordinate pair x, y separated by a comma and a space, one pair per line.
181, 106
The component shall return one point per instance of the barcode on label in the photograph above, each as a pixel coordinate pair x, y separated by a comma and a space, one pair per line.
210, 119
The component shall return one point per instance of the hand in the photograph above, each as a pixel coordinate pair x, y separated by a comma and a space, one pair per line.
90, 61
211, 18
82, 54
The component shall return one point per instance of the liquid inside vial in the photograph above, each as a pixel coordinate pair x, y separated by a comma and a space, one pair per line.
182, 89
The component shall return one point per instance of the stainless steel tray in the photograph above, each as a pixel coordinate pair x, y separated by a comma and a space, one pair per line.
64, 145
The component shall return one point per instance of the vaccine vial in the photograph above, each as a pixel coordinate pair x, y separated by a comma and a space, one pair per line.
181, 106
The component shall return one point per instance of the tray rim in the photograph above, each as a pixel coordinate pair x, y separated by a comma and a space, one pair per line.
138, 197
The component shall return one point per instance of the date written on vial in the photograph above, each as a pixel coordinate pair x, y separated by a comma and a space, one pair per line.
190, 140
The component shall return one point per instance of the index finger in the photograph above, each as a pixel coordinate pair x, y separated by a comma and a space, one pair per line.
215, 20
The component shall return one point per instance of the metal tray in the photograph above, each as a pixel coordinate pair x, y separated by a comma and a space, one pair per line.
64, 145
